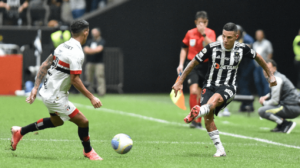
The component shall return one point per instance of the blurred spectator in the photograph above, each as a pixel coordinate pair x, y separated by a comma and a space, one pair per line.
77, 8
55, 9
296, 47
38, 13
66, 13
246, 72
98, 3
94, 62
61, 34
15, 11
88, 6
263, 47
282, 103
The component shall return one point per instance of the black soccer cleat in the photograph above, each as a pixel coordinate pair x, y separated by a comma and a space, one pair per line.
287, 127
276, 129
194, 124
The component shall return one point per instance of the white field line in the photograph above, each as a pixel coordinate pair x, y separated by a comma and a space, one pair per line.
174, 123
139, 142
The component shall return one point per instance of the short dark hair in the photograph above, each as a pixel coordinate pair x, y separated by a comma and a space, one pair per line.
230, 27
79, 25
201, 14
272, 62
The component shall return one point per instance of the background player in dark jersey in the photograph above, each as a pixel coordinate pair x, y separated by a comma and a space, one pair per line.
220, 86
193, 42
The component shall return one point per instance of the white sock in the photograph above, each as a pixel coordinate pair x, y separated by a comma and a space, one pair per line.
214, 136
204, 110
276, 119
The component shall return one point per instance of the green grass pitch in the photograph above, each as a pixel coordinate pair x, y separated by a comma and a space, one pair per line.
160, 137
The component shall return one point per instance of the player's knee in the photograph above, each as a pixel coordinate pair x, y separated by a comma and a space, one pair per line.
58, 123
193, 91
261, 112
84, 123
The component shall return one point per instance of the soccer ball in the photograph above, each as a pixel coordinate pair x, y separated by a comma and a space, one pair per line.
121, 143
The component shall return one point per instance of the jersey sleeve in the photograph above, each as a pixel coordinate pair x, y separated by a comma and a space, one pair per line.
186, 39
204, 54
76, 65
248, 52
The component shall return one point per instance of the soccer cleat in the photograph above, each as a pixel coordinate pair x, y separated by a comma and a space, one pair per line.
220, 153
193, 114
276, 129
15, 137
287, 127
92, 155
194, 124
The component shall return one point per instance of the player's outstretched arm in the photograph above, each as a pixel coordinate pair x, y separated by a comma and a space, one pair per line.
178, 85
39, 77
263, 64
77, 83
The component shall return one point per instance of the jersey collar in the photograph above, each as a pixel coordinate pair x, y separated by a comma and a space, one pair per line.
76, 42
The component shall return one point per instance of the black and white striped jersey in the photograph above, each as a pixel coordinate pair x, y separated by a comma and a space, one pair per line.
223, 63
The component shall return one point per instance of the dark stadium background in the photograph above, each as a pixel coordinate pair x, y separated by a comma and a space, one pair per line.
150, 33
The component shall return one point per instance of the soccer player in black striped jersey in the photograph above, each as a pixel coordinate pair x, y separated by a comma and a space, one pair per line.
220, 86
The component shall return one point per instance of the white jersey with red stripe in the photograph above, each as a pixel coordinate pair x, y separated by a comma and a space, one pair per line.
68, 58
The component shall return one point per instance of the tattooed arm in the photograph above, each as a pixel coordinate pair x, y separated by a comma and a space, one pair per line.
39, 77
178, 85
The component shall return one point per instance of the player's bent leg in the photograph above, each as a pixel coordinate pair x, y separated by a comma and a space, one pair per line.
197, 111
19, 132
83, 132
214, 134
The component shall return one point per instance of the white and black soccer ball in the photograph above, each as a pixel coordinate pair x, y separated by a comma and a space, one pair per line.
122, 143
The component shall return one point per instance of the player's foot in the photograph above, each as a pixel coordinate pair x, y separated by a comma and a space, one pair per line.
276, 129
92, 155
193, 114
195, 124
287, 127
220, 153
15, 137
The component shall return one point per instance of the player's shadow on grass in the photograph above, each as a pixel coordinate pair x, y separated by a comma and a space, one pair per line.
197, 155
47, 158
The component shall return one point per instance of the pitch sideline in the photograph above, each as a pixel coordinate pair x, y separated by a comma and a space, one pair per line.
175, 123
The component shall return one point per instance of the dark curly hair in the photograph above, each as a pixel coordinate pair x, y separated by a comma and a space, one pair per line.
79, 25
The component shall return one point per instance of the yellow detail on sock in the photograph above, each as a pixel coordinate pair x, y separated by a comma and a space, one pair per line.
276, 110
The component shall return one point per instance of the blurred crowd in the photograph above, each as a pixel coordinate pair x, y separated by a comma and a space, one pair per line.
40, 12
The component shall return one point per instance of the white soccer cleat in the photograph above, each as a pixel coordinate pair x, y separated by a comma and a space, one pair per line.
220, 153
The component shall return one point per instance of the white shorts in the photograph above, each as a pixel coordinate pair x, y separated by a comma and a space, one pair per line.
62, 107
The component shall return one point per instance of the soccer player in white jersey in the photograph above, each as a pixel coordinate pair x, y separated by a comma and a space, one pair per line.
62, 69
220, 86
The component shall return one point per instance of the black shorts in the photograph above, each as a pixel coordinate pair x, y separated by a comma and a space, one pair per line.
197, 75
226, 91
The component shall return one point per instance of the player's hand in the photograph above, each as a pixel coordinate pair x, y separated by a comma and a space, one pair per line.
7, 7
30, 99
179, 69
272, 81
177, 87
96, 102
261, 100
201, 28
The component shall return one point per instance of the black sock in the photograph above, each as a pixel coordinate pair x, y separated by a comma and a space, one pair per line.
85, 138
39, 125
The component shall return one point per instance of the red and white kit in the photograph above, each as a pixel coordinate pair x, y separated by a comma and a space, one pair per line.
68, 58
